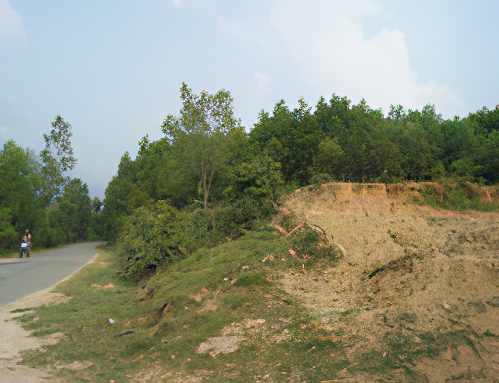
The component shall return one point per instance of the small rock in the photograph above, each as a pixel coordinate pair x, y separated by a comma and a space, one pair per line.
446, 306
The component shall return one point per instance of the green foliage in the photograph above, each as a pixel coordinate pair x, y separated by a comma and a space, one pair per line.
457, 196
312, 243
20, 183
203, 123
320, 178
150, 239
329, 157
226, 182
71, 214
57, 158
8, 234
36, 193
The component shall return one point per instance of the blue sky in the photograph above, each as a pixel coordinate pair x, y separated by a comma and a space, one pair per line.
113, 69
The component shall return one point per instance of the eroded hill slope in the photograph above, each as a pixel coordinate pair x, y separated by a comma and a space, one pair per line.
417, 289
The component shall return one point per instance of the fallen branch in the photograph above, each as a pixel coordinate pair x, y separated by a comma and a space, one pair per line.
296, 228
279, 228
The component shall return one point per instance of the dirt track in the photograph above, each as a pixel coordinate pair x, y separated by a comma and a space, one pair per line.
408, 272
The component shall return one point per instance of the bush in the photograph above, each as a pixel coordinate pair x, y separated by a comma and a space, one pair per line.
310, 243
149, 239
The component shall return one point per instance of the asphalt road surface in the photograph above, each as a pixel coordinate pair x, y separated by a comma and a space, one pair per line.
43, 269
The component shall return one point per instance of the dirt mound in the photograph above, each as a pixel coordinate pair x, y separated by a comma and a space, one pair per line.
418, 287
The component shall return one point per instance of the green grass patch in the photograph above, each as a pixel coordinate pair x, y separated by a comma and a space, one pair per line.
222, 292
458, 197
159, 326
9, 254
22, 310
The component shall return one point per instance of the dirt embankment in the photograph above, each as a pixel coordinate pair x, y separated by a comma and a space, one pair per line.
409, 273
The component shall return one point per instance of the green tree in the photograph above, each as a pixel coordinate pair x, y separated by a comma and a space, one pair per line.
20, 183
57, 158
203, 122
71, 213
150, 239
329, 156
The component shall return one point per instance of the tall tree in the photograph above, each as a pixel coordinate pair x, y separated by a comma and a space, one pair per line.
71, 213
19, 186
203, 123
57, 158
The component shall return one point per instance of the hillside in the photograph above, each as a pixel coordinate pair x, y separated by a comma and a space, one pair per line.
412, 297
411, 278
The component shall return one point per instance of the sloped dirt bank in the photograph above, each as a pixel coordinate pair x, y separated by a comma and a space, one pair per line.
416, 295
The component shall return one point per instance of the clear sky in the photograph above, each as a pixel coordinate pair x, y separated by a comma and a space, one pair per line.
113, 68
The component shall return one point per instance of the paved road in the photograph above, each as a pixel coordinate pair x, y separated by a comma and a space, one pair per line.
42, 270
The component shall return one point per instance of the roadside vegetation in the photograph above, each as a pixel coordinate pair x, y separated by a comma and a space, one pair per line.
197, 238
209, 180
37, 194
160, 329
224, 179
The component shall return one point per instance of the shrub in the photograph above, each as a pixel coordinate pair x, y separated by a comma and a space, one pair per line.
150, 239
308, 242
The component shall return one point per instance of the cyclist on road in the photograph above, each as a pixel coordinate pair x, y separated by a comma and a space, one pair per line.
25, 244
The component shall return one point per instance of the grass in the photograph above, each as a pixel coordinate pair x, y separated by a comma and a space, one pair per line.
458, 197
222, 292
15, 253
9, 254
159, 325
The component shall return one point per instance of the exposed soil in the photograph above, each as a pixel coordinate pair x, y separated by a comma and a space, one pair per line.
15, 339
409, 274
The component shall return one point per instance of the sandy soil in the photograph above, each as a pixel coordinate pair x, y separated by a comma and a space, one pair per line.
406, 269
15, 339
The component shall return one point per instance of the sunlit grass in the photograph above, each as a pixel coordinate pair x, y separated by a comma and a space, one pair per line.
227, 291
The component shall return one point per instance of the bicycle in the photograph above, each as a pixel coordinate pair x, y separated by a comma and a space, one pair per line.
24, 250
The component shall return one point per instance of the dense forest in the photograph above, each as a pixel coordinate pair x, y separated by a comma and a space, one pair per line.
209, 179
37, 194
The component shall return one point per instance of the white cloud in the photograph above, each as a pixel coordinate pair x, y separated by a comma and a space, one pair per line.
248, 31
177, 3
263, 81
11, 25
327, 41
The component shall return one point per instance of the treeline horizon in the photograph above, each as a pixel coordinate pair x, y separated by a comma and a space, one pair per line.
216, 181
208, 180
36, 194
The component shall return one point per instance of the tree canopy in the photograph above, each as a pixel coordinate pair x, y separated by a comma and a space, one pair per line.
36, 193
